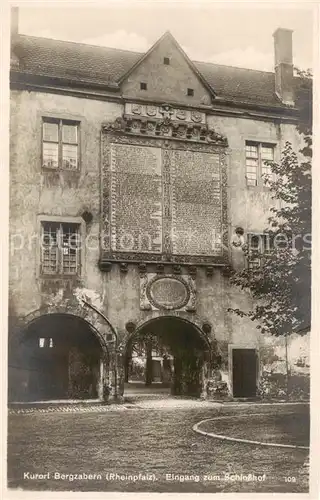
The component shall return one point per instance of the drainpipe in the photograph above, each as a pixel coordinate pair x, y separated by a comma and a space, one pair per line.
117, 342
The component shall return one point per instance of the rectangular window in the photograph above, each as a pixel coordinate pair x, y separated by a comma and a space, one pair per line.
45, 342
60, 248
256, 169
190, 92
60, 144
267, 153
143, 86
258, 243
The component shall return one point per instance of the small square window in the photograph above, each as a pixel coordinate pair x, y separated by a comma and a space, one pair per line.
166, 61
190, 92
143, 86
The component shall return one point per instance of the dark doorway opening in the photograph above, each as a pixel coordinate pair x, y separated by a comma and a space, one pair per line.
244, 373
59, 357
166, 353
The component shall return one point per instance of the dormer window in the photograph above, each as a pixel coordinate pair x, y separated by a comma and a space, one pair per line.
166, 60
190, 92
143, 86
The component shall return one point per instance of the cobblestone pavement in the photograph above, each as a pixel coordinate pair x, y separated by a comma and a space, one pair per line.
132, 401
137, 438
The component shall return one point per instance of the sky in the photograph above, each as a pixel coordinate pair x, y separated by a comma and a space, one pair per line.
225, 34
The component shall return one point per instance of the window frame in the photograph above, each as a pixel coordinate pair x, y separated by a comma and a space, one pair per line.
81, 230
260, 160
264, 248
60, 121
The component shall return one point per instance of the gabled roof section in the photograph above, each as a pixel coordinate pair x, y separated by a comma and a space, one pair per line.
95, 66
168, 36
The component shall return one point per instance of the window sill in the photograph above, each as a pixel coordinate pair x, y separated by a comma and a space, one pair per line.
56, 276
259, 187
54, 169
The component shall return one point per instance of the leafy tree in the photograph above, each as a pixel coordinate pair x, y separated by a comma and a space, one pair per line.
281, 286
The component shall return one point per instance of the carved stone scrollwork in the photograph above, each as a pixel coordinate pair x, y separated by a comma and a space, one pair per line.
181, 114
130, 327
123, 267
215, 137
176, 269
192, 270
209, 271
136, 109
144, 302
196, 116
167, 292
151, 110
160, 268
143, 137
167, 112
167, 244
165, 128
206, 327
119, 124
142, 266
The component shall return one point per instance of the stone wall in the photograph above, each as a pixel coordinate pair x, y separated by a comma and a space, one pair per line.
116, 293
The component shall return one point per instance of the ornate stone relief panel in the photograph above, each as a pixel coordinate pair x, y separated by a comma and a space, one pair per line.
165, 112
167, 292
164, 197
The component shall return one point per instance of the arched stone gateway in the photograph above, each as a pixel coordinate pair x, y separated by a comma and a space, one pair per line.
171, 352
59, 356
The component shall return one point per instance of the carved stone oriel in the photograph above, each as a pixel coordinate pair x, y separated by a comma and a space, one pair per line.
167, 292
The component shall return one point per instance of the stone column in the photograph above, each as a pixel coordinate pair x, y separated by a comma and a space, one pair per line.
116, 378
205, 376
101, 378
149, 374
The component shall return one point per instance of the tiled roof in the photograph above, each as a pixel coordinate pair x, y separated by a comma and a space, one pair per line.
44, 56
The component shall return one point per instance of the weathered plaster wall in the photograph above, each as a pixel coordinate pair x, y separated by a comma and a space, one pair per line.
167, 83
33, 192
249, 205
116, 293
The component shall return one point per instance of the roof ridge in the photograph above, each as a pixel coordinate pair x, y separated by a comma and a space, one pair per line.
235, 67
80, 43
139, 53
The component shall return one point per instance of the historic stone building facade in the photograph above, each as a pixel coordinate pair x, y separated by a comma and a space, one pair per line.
130, 176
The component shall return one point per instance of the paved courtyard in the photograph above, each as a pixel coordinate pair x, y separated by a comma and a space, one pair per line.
149, 445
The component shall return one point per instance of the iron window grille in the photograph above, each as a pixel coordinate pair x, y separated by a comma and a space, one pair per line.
256, 168
60, 248
259, 244
60, 144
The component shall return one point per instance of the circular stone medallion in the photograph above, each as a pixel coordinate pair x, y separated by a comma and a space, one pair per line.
168, 292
